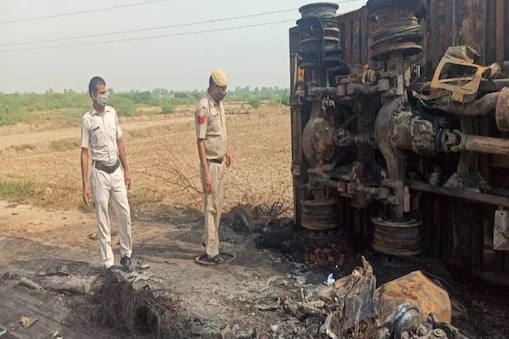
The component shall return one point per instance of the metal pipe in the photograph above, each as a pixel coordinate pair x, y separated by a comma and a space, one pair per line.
345, 90
459, 193
363, 89
323, 90
381, 193
483, 106
487, 145
420, 186
324, 181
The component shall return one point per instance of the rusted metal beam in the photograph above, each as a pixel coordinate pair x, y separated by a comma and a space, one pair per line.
482, 106
296, 76
487, 145
450, 23
506, 29
364, 39
480, 29
458, 193
460, 23
489, 42
441, 31
431, 38
356, 42
348, 42
499, 29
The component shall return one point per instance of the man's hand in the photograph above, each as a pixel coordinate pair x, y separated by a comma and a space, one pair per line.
87, 194
229, 159
128, 179
207, 182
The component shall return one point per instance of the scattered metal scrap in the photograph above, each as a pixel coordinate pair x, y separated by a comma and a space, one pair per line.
261, 219
409, 307
134, 277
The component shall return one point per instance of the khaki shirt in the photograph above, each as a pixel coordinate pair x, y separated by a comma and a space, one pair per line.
99, 134
211, 127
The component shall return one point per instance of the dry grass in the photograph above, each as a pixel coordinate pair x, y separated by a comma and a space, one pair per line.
164, 163
64, 145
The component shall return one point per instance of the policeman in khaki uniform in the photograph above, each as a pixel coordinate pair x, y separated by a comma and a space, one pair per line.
101, 134
214, 158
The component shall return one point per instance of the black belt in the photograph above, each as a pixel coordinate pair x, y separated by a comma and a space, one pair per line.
105, 168
217, 161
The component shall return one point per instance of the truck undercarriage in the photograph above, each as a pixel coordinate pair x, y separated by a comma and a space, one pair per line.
395, 145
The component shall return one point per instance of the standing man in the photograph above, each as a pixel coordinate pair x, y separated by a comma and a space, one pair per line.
101, 134
214, 158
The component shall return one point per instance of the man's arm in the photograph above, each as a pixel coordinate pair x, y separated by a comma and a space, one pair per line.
207, 177
201, 113
123, 161
229, 158
87, 195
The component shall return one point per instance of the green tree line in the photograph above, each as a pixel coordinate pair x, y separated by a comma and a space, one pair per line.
15, 107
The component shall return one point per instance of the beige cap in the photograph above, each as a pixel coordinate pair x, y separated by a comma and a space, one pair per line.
219, 77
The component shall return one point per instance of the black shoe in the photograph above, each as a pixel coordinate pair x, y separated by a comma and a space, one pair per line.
218, 259
125, 261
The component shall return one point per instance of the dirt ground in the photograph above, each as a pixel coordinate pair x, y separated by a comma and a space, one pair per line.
43, 234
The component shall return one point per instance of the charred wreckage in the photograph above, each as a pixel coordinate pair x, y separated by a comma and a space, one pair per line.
400, 121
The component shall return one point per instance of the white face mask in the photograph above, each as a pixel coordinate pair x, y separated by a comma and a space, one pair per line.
102, 99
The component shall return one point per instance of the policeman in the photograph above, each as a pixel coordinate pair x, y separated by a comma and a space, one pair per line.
101, 134
214, 158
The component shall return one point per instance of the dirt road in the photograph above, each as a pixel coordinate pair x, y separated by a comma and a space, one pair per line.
11, 138
39, 241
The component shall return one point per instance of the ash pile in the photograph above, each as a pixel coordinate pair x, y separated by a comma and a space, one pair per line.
135, 304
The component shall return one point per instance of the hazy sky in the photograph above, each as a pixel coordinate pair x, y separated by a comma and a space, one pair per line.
255, 56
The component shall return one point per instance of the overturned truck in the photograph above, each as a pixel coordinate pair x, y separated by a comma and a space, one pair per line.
400, 128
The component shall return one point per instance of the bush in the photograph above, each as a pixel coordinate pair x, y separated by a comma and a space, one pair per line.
141, 97
123, 105
167, 107
285, 99
17, 190
11, 111
254, 102
280, 99
52, 101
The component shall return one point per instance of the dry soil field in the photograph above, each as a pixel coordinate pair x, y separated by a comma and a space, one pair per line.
163, 159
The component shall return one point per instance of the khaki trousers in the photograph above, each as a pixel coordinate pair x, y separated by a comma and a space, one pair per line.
212, 205
104, 186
